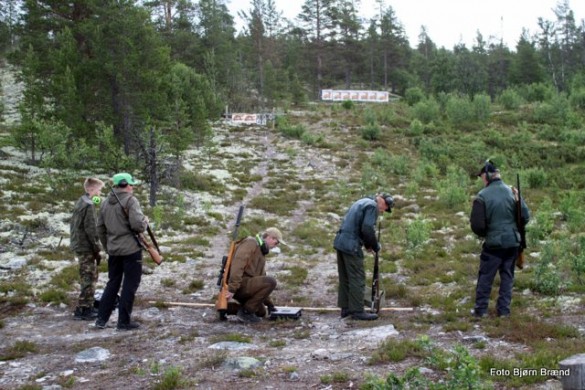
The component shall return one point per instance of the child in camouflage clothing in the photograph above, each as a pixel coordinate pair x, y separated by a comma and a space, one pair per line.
85, 244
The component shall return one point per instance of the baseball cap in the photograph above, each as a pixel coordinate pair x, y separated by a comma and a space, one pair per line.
274, 232
389, 200
488, 167
122, 179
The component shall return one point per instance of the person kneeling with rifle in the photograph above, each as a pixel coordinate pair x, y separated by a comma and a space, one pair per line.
248, 283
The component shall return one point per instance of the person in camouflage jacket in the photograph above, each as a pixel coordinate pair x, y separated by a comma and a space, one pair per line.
84, 242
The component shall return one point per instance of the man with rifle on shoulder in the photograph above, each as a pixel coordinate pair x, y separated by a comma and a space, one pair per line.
248, 283
119, 221
494, 219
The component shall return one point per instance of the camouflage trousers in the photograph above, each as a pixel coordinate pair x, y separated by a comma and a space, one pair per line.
88, 276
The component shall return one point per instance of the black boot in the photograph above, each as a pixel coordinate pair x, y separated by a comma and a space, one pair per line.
245, 316
363, 316
85, 313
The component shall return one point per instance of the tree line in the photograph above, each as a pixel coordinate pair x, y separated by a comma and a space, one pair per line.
120, 82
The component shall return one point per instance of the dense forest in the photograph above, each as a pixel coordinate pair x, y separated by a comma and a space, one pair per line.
139, 81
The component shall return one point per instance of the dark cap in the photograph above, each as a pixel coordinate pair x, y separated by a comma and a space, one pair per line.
389, 200
488, 167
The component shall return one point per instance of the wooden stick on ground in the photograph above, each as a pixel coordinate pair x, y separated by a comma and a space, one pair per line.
194, 304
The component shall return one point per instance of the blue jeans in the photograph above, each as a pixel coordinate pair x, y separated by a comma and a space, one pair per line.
492, 261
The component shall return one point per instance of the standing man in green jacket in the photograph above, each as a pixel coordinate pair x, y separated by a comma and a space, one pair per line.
493, 218
358, 230
120, 219
248, 283
84, 242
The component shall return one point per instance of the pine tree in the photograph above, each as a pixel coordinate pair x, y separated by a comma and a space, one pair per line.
317, 24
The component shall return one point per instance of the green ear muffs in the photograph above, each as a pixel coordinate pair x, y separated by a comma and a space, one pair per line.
262, 244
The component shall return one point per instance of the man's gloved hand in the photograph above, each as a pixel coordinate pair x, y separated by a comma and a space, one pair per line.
98, 258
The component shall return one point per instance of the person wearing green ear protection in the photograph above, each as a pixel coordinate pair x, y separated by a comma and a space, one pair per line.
85, 243
248, 283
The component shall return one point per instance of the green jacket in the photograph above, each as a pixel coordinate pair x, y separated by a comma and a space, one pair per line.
493, 216
117, 232
358, 228
82, 229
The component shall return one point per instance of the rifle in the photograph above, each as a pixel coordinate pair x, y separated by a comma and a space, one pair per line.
221, 304
153, 251
520, 224
376, 295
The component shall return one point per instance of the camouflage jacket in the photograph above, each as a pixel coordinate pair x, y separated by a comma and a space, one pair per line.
83, 229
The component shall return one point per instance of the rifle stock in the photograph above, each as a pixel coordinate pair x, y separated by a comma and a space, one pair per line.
152, 251
221, 304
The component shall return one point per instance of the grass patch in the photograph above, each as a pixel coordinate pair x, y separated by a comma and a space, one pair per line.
172, 378
54, 295
247, 373
15, 292
526, 329
213, 360
184, 339
161, 305
19, 350
296, 277
393, 350
301, 334
167, 282
194, 285
192, 181
312, 233
196, 240
273, 204
234, 337
62, 280
336, 377
277, 343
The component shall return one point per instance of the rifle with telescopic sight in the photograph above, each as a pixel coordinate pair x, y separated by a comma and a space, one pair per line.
221, 305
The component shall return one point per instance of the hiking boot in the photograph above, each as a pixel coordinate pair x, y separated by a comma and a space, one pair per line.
363, 316
245, 316
477, 315
85, 313
128, 326
78, 313
100, 324
344, 312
